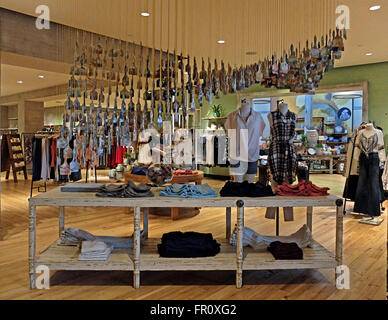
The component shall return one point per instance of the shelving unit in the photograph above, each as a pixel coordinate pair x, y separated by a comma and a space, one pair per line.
144, 256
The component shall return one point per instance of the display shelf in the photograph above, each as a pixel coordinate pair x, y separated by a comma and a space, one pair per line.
60, 257
144, 255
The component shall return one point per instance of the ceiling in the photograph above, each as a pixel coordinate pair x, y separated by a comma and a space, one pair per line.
30, 77
258, 26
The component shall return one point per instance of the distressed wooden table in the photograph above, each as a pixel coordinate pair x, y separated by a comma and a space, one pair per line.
145, 257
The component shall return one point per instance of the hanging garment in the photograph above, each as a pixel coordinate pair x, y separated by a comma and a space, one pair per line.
245, 189
36, 159
188, 245
45, 172
282, 157
369, 193
5, 157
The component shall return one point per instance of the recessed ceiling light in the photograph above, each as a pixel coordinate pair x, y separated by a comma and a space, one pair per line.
145, 14
19, 81
221, 41
369, 54
41, 76
374, 8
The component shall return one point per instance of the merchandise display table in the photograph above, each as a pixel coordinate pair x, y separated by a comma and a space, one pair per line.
329, 158
145, 257
184, 179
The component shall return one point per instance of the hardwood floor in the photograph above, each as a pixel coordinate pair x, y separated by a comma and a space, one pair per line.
364, 253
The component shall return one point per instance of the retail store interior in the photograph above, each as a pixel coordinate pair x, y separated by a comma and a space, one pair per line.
81, 104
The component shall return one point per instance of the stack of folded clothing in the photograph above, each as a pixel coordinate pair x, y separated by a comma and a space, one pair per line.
95, 251
141, 171
188, 245
303, 188
181, 172
129, 190
73, 237
285, 251
188, 191
245, 189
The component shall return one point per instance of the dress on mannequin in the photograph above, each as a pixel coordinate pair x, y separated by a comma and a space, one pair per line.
245, 118
282, 156
369, 193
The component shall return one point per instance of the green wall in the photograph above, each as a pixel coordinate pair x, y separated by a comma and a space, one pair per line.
376, 74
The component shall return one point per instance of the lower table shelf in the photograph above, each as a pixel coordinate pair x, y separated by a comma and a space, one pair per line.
59, 257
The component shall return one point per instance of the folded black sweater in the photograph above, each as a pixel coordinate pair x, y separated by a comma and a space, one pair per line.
188, 245
245, 189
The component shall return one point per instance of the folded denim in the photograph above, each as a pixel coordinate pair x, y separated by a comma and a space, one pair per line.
188, 191
139, 171
129, 190
285, 251
74, 236
303, 238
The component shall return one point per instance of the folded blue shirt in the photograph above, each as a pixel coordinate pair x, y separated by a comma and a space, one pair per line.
188, 191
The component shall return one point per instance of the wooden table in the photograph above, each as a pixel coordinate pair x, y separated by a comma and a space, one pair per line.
330, 158
146, 257
184, 179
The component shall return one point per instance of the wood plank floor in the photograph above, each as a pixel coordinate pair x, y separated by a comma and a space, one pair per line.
364, 253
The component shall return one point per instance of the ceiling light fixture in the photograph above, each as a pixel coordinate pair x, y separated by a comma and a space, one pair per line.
41, 77
145, 14
19, 81
369, 54
374, 8
221, 41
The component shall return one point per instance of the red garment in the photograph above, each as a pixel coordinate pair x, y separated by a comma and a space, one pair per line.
111, 159
303, 188
181, 172
53, 152
120, 155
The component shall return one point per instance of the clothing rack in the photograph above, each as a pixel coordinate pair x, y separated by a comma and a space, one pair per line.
41, 134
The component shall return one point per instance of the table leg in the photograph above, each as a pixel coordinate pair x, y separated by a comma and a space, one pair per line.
136, 249
309, 218
145, 222
228, 222
32, 246
339, 233
277, 217
174, 213
239, 247
331, 166
61, 220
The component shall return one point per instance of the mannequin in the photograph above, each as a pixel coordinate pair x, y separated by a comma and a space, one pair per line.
282, 155
245, 118
370, 154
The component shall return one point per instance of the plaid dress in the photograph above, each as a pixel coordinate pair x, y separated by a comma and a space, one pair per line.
282, 156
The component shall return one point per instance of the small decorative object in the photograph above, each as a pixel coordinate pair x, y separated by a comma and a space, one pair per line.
120, 168
159, 174
344, 114
338, 129
112, 173
126, 161
217, 110
311, 151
